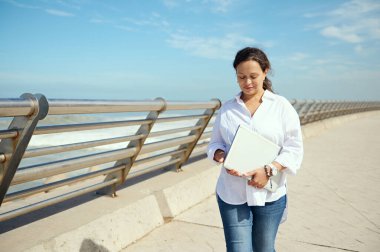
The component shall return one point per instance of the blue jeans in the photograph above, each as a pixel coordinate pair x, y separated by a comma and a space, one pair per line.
251, 228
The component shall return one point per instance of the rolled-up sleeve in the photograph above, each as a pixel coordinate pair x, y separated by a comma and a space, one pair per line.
291, 153
216, 141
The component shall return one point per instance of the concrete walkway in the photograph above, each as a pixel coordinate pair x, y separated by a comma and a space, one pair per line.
333, 202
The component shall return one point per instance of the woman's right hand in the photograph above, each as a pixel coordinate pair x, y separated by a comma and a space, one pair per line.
234, 172
219, 156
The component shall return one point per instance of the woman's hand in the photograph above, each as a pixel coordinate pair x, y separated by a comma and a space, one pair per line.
258, 179
219, 156
234, 172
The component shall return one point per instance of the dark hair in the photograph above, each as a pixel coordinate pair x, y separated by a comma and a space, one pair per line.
252, 53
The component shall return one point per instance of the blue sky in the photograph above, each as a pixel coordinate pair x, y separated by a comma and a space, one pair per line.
183, 49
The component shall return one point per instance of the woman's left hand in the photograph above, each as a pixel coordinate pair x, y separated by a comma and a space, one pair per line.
258, 178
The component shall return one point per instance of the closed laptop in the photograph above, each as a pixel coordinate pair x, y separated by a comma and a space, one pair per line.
250, 150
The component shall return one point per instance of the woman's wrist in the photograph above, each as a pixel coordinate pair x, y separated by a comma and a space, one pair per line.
218, 151
267, 171
279, 166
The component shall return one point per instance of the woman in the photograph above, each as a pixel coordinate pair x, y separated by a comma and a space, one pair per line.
251, 214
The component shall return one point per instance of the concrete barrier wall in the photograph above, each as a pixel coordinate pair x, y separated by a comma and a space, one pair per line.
175, 199
315, 128
109, 232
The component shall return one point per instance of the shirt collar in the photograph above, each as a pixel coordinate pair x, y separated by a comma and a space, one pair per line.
268, 95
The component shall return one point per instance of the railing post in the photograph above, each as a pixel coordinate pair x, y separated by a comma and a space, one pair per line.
323, 110
316, 111
198, 133
307, 111
347, 107
301, 110
329, 110
361, 107
335, 109
138, 144
353, 107
14, 149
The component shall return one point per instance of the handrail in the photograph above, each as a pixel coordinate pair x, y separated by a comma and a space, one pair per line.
87, 126
63, 107
46, 187
109, 150
103, 149
30, 173
78, 146
8, 133
16, 107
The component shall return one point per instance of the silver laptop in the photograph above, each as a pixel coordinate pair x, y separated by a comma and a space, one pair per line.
250, 150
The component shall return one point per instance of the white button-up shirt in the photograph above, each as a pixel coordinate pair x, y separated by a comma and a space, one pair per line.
276, 120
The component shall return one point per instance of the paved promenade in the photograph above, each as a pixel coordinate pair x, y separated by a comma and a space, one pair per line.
334, 202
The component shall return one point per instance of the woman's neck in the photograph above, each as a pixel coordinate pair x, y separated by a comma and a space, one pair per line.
252, 98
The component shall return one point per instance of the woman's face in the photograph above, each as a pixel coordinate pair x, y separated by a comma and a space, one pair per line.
250, 78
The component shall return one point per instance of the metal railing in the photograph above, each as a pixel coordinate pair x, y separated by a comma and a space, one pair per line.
314, 110
54, 150
103, 152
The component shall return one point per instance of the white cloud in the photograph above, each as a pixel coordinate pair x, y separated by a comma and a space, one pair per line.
154, 20
22, 5
69, 4
46, 8
359, 49
176, 3
171, 3
99, 19
298, 56
311, 15
124, 28
210, 47
220, 5
372, 25
355, 9
59, 13
355, 21
213, 5
342, 33
318, 64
